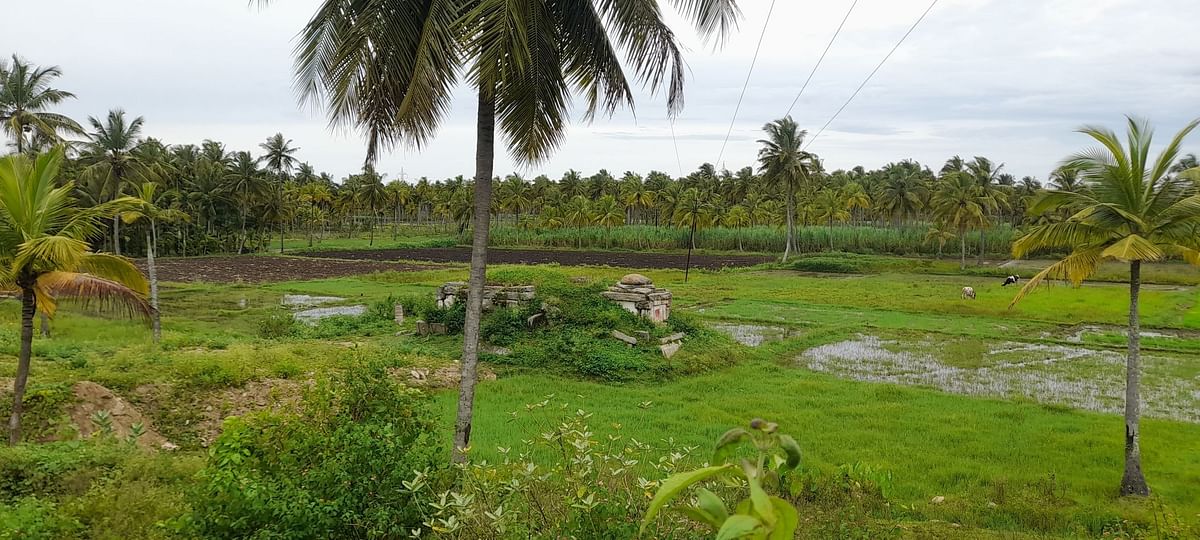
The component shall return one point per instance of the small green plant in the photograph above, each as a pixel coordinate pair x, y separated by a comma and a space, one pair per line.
760, 515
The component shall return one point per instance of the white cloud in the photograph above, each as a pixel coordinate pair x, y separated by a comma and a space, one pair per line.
1009, 80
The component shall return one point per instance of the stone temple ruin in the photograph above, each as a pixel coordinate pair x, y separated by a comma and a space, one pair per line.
493, 295
638, 295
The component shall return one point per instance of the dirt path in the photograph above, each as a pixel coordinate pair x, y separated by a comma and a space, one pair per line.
263, 268
532, 256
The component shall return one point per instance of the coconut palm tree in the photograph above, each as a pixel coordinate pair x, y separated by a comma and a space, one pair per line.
737, 217
280, 158
988, 176
370, 192
1134, 211
25, 96
608, 213
110, 154
784, 164
147, 205
389, 69
959, 203
44, 254
244, 184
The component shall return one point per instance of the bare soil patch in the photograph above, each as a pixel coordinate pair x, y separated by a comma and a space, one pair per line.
541, 256
92, 398
261, 268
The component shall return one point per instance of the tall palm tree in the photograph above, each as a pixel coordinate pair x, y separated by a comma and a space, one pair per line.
737, 217
244, 184
45, 256
280, 158
783, 163
987, 175
389, 68
959, 203
111, 158
147, 204
25, 96
831, 204
607, 213
1134, 210
370, 192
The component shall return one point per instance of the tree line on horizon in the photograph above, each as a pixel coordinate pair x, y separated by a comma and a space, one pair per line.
227, 200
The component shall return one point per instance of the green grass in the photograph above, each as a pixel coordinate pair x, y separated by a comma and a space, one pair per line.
1048, 468
970, 450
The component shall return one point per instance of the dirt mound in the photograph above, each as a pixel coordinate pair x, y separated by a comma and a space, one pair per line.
261, 395
92, 398
625, 259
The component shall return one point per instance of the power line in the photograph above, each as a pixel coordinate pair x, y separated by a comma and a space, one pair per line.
868, 79
678, 162
747, 83
822, 58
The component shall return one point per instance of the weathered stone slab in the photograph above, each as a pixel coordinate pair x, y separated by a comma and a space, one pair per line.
422, 328
673, 338
437, 329
628, 339
669, 349
643, 335
536, 320
623, 296
398, 314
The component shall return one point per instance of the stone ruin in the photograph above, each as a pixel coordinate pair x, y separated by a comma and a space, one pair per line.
493, 295
638, 295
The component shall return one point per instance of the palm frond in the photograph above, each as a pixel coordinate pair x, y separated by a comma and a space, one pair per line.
1075, 268
88, 290
115, 268
1066, 234
1133, 248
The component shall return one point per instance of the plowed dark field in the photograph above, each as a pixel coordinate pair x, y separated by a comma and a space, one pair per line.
533, 256
262, 268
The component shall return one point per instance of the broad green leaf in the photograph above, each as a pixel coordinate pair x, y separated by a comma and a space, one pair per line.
738, 526
674, 485
711, 503
792, 449
701, 515
758, 496
789, 520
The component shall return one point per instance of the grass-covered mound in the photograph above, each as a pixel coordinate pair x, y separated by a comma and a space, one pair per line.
576, 337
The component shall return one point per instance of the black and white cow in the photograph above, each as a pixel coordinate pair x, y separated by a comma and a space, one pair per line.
1011, 280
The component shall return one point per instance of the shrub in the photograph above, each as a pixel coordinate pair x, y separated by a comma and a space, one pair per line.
36, 519
333, 469
829, 265
276, 325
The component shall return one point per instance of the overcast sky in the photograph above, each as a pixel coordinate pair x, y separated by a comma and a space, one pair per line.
1001, 78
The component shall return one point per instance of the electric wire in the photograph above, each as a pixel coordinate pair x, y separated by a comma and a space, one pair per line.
872, 74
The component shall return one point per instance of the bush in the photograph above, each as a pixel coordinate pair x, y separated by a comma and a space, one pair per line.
36, 519
829, 265
333, 469
276, 325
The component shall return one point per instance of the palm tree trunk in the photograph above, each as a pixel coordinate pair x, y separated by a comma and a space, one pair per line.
790, 223
151, 240
485, 150
962, 243
45, 323
1133, 482
117, 235
979, 258
28, 307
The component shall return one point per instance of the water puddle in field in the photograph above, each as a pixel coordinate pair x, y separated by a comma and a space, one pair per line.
1066, 375
304, 300
311, 316
753, 335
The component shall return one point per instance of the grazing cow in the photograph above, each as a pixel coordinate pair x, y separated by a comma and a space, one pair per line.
968, 292
1011, 280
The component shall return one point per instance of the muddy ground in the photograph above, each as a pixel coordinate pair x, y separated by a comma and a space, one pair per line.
534, 256
260, 269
